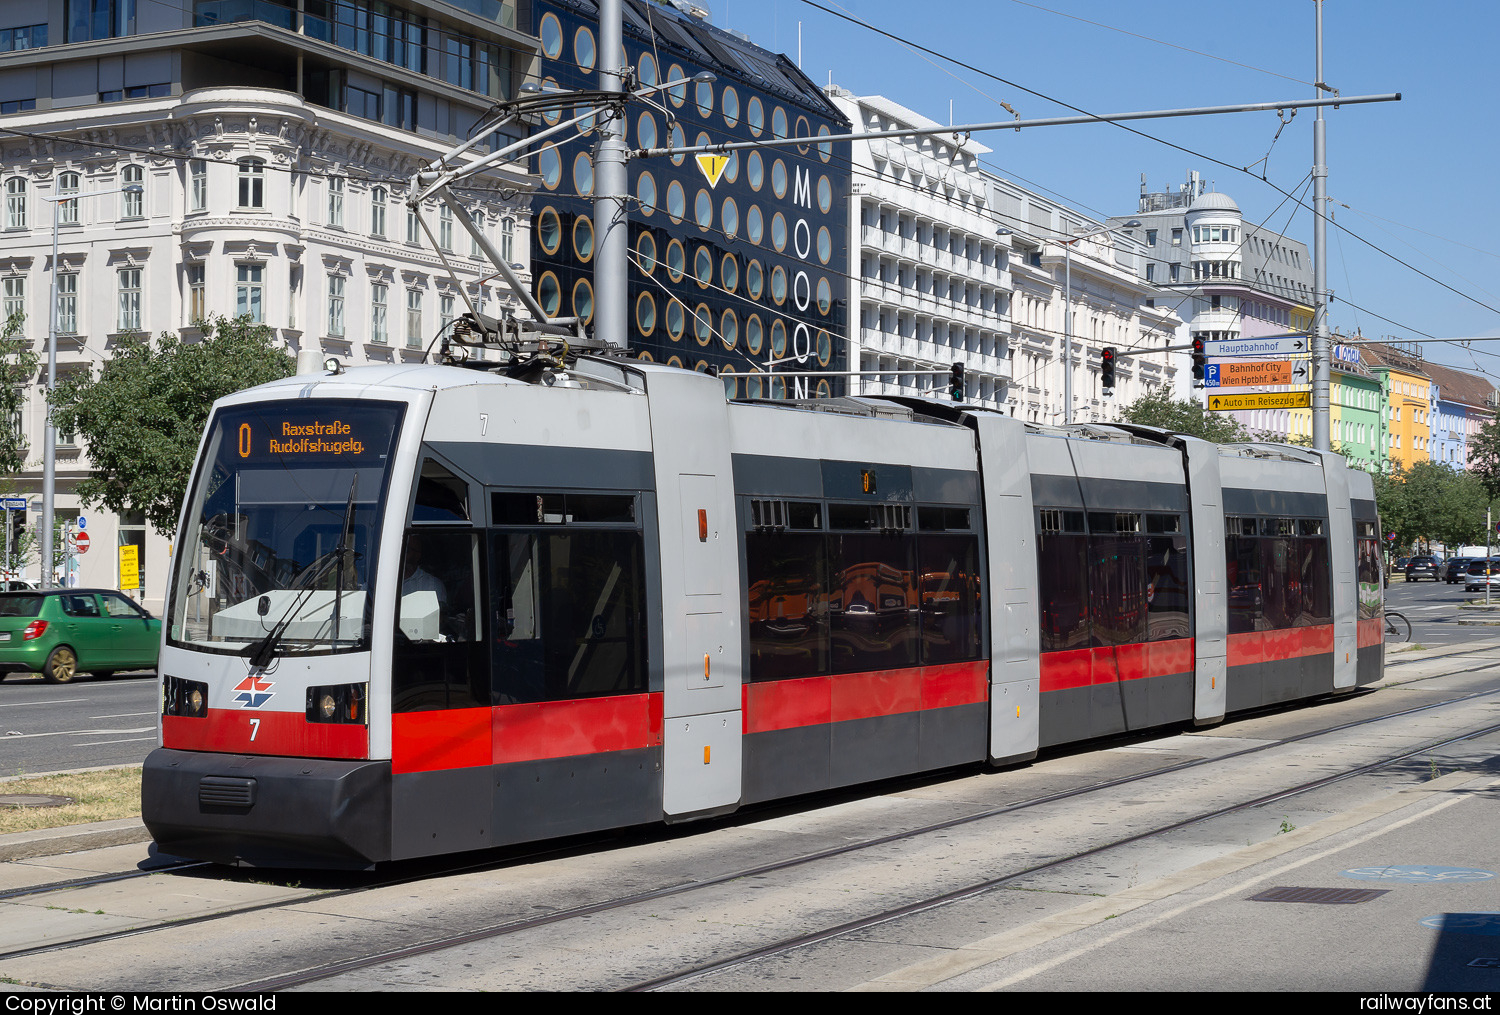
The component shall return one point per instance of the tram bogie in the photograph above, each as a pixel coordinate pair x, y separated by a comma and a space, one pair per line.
426, 610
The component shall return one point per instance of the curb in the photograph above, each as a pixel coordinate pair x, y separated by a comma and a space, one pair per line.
72, 838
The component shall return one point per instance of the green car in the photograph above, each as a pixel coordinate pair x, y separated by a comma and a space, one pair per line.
62, 632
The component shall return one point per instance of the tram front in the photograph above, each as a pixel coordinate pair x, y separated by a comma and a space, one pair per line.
285, 556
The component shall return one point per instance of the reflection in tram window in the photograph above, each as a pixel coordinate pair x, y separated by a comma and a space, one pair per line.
438, 661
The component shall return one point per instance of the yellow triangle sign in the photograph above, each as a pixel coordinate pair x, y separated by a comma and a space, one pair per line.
712, 167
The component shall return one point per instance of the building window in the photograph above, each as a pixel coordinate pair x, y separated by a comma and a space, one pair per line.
67, 303
27, 37
377, 211
413, 230
1150, 237
197, 301
445, 227
133, 202
129, 289
99, 19
15, 203
1176, 237
252, 178
336, 306
474, 250
197, 185
378, 332
445, 313
507, 240
336, 202
249, 292
15, 297
1150, 271
414, 318
67, 211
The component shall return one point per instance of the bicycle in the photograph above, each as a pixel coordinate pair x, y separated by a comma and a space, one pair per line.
1397, 627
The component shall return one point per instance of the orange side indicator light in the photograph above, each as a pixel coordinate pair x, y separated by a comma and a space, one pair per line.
706, 750
702, 525
705, 666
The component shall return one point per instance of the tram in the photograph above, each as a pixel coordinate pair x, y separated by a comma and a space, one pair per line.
423, 609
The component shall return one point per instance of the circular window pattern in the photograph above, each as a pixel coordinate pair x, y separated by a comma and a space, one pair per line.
729, 218
674, 361
755, 226
755, 170
552, 114
778, 231
549, 293
676, 261
549, 167
645, 249
549, 230
755, 279
729, 329
583, 175
778, 122
825, 194
778, 339
777, 386
825, 148
584, 49
677, 140
645, 357
647, 70
825, 296
678, 92
824, 391
755, 116
645, 314
583, 300
703, 324
645, 132
583, 237
676, 201
729, 102
676, 319
703, 210
778, 178
729, 272
825, 244
755, 335
645, 192
803, 129
825, 348
551, 34
754, 386
732, 167
703, 97
703, 267
731, 385
778, 284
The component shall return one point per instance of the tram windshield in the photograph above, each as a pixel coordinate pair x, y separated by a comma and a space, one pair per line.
278, 554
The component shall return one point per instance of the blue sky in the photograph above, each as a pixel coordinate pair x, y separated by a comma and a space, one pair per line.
1417, 176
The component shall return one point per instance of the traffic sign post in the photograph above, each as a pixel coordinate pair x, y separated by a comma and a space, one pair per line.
1239, 373
1260, 400
1276, 345
81, 542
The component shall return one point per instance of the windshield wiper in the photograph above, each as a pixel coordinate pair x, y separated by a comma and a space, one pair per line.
264, 651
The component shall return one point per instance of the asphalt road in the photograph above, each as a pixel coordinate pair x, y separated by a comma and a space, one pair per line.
1433, 609
84, 724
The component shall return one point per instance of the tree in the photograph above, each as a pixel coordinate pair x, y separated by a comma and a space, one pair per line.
17, 373
142, 418
1484, 457
1159, 409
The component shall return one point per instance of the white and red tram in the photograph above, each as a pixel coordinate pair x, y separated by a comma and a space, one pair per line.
420, 610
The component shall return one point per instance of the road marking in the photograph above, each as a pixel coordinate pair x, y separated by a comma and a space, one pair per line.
48, 701
76, 733
96, 743
121, 715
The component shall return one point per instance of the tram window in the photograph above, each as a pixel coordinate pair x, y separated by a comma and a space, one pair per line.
948, 597
1169, 595
1117, 581
787, 605
567, 613
870, 599
561, 509
438, 662
1062, 580
942, 519
441, 496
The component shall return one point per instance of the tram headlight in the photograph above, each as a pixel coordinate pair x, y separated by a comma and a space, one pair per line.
339, 703
183, 697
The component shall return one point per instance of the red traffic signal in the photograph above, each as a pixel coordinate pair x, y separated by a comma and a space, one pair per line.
1107, 371
1200, 358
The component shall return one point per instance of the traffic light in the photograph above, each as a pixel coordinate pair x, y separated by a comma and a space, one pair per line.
1107, 371
17, 528
956, 382
1200, 359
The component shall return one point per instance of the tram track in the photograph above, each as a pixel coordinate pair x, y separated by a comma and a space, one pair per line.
332, 969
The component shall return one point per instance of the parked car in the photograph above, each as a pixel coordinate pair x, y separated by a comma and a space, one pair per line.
1418, 568
1455, 569
16, 585
60, 633
1482, 573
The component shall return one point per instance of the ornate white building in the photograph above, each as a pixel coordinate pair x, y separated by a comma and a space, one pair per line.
273, 158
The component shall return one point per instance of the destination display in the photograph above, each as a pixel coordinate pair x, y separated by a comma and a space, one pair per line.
1241, 373
313, 431
1260, 400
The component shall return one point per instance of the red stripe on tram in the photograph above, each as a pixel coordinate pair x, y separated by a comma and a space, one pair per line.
814, 701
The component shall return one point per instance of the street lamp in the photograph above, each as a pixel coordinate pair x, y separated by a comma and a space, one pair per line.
1067, 245
49, 448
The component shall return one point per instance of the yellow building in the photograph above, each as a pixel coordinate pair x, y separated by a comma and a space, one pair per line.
1407, 412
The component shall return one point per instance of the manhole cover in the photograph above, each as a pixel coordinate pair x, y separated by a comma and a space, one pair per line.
33, 800
1323, 896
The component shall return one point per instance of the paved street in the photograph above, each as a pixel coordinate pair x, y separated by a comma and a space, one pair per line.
87, 723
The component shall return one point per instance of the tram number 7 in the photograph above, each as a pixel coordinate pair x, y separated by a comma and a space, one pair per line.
254, 729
